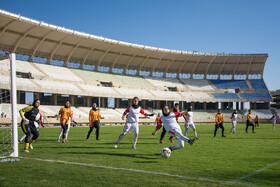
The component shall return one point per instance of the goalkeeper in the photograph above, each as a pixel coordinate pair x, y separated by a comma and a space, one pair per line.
28, 115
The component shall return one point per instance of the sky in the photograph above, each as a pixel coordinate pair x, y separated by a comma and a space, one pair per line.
216, 26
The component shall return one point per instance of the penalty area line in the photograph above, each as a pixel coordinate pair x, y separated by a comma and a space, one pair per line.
255, 172
136, 170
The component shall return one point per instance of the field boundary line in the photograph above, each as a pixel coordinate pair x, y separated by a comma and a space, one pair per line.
255, 172
139, 171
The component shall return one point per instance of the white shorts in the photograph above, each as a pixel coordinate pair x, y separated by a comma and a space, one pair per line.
134, 126
187, 125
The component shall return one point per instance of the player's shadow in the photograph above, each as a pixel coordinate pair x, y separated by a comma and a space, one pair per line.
143, 156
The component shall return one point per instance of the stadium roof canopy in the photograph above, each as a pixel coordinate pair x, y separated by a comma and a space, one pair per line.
38, 39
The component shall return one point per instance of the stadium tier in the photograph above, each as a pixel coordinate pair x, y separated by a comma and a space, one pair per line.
225, 96
230, 84
258, 84
57, 64
260, 96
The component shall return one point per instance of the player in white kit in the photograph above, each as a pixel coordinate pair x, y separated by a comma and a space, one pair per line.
173, 128
133, 112
189, 123
233, 121
274, 120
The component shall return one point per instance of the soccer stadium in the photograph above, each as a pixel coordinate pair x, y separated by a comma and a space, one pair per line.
55, 65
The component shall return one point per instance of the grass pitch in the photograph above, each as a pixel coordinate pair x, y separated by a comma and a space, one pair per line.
238, 160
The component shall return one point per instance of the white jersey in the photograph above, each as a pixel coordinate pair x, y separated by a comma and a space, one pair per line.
133, 114
189, 117
234, 117
169, 122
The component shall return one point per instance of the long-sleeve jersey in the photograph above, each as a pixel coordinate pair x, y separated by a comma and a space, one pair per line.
29, 112
249, 117
174, 110
189, 117
133, 114
65, 113
157, 119
94, 115
170, 121
219, 118
274, 119
234, 117
256, 119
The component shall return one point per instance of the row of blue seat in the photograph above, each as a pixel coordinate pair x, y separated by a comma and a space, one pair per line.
257, 84
265, 95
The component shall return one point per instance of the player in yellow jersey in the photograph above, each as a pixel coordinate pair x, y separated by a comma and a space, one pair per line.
257, 121
219, 123
65, 113
94, 121
158, 124
28, 115
249, 122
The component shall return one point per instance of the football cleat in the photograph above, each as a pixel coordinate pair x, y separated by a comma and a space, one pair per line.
30, 146
160, 141
116, 146
26, 150
171, 140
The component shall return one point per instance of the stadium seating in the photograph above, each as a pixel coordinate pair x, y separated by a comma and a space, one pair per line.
21, 82
60, 73
130, 93
261, 96
258, 84
21, 66
165, 82
96, 76
225, 95
6, 108
202, 96
230, 84
99, 90
195, 84
166, 95
58, 86
134, 82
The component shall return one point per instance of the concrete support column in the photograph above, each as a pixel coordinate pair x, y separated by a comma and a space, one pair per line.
88, 99
54, 99
102, 102
157, 104
255, 105
72, 100
117, 102
217, 105
18, 96
237, 105
129, 101
192, 104
36, 95
143, 104
242, 106
204, 106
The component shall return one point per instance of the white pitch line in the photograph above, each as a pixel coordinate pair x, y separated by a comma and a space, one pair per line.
139, 171
255, 172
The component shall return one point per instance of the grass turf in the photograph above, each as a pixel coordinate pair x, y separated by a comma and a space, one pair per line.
209, 162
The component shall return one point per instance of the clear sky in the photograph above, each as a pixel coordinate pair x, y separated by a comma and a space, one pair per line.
230, 26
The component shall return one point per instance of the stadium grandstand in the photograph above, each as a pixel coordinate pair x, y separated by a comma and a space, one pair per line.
55, 64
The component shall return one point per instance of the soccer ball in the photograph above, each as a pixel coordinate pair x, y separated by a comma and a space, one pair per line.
165, 152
